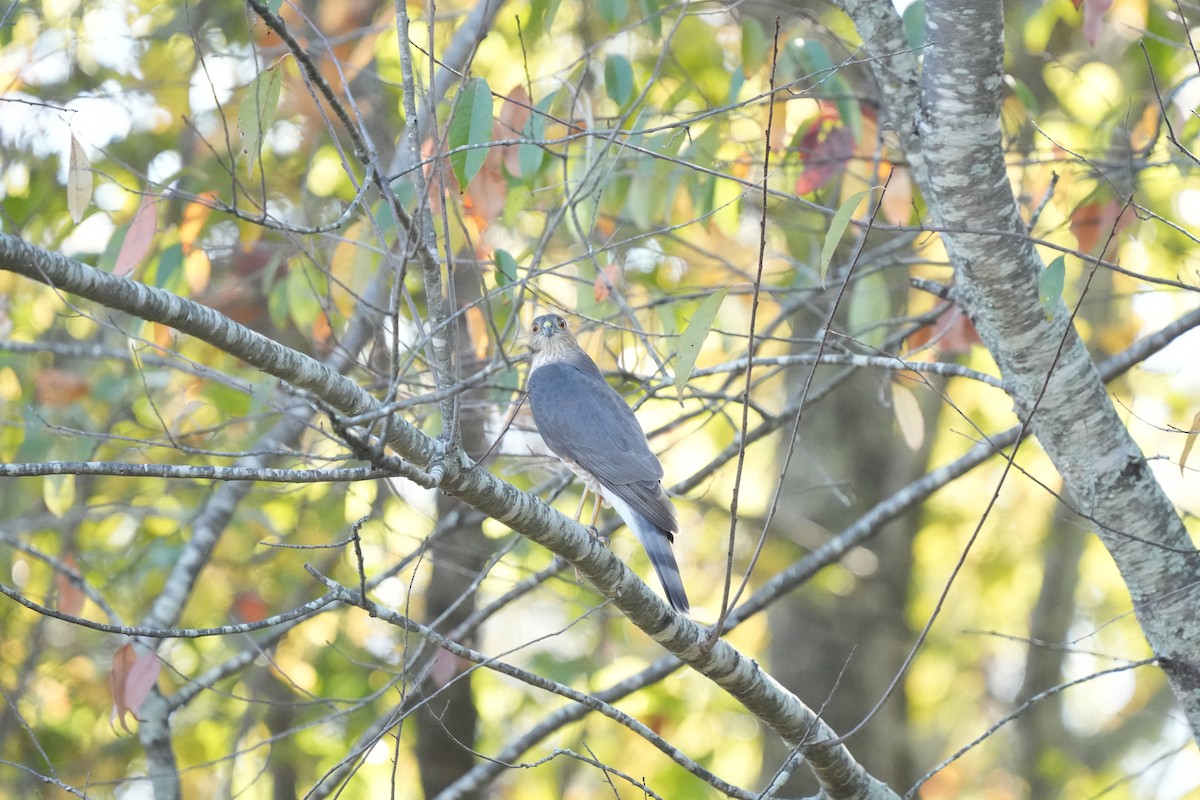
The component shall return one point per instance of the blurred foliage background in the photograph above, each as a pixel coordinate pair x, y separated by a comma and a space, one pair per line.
604, 160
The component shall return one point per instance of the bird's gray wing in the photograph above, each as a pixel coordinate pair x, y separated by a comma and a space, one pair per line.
583, 419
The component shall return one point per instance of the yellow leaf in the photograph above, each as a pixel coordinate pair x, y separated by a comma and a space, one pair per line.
58, 493
1189, 441
908, 416
197, 269
79, 181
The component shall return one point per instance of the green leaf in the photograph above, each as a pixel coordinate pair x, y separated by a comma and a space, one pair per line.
170, 267
1023, 93
754, 46
813, 60
914, 24
652, 17
613, 11
108, 259
837, 226
692, 339
542, 13
870, 307
1050, 286
531, 157
256, 112
305, 286
471, 125
618, 79
506, 268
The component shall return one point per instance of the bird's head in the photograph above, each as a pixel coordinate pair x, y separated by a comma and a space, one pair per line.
547, 326
550, 338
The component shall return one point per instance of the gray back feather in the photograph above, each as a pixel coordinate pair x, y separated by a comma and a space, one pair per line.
583, 419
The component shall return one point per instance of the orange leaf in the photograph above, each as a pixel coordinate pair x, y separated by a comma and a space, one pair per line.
485, 196
477, 329
194, 217
897, 202
70, 597
1145, 130
606, 281
138, 237
514, 116
321, 331
1096, 222
131, 680
58, 387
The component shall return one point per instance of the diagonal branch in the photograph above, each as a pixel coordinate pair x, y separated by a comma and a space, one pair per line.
836, 769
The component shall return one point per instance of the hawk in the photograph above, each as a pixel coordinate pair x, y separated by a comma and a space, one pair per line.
590, 427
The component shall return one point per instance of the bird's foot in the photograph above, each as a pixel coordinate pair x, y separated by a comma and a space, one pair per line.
596, 532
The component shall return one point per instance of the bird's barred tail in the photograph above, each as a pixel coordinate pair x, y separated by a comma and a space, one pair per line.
658, 546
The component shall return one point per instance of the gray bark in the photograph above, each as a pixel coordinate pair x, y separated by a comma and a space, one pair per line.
953, 139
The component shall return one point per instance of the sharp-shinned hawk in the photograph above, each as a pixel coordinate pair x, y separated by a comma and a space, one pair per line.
590, 427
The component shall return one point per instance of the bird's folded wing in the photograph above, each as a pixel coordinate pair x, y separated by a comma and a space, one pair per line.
583, 419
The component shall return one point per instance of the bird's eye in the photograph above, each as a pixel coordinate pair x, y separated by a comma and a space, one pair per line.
562, 324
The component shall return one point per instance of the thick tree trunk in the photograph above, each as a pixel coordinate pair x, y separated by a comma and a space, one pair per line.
954, 142
854, 641
447, 726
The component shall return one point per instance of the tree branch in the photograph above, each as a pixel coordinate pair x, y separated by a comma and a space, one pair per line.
835, 768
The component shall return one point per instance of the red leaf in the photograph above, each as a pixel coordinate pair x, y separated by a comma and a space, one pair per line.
1093, 15
1096, 222
824, 153
131, 680
952, 334
138, 237
249, 606
70, 597
446, 667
